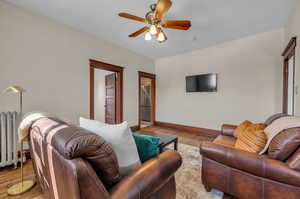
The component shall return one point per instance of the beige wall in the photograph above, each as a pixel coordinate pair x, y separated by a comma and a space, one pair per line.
51, 61
292, 30
249, 82
100, 94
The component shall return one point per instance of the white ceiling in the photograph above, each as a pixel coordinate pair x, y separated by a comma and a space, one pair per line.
213, 21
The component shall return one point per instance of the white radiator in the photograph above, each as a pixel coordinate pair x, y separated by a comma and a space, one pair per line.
8, 139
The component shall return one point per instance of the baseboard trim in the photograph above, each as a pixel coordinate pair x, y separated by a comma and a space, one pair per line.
135, 128
209, 132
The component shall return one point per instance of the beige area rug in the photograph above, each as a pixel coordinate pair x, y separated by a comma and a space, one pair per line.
188, 177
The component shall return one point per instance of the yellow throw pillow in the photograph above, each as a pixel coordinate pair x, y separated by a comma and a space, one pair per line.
241, 128
253, 139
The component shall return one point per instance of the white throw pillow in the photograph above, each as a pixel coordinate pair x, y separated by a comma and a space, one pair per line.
121, 139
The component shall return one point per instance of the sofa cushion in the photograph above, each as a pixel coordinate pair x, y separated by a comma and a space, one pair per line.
224, 140
277, 126
294, 161
284, 144
241, 128
253, 139
121, 139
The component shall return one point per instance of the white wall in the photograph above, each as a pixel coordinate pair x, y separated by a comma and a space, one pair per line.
51, 61
249, 82
292, 30
100, 94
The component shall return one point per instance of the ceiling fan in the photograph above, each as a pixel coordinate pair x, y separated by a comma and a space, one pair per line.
156, 21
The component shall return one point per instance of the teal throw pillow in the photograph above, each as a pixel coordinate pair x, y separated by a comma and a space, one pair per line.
147, 146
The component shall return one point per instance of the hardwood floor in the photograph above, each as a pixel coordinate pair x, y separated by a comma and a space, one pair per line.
184, 137
9, 177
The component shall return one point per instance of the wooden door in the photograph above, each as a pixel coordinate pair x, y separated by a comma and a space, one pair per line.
110, 99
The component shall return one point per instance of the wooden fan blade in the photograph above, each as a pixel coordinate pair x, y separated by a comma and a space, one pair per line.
140, 31
162, 8
176, 27
132, 17
184, 23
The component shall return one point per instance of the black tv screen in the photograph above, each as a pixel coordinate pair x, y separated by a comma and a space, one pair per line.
201, 83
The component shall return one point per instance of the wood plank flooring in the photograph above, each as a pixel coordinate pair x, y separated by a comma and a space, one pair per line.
184, 137
9, 177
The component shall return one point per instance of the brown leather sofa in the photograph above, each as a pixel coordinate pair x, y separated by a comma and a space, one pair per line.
72, 163
244, 175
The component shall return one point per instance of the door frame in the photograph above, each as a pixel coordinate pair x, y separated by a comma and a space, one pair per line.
289, 51
153, 95
94, 64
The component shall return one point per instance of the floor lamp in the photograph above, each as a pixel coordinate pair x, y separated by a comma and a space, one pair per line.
26, 185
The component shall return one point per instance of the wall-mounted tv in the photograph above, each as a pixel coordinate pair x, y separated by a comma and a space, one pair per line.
202, 83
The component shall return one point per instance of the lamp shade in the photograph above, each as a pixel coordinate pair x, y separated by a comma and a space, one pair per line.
14, 89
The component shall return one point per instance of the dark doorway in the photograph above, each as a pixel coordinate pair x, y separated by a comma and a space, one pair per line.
145, 106
113, 92
147, 97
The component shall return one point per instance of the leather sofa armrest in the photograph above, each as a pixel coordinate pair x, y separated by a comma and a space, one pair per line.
251, 163
228, 129
149, 178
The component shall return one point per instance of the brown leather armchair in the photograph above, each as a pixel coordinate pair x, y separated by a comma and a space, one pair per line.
274, 175
73, 163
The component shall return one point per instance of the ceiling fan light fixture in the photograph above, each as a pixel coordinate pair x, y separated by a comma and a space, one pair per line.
148, 36
153, 29
155, 22
161, 37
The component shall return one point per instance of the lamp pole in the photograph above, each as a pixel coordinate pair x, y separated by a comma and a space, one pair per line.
26, 185
21, 105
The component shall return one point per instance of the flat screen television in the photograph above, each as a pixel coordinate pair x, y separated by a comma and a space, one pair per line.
202, 83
